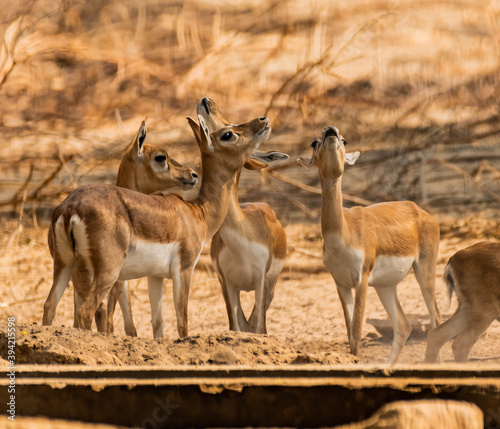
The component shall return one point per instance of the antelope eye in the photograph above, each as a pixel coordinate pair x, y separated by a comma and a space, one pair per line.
314, 143
227, 136
344, 141
160, 159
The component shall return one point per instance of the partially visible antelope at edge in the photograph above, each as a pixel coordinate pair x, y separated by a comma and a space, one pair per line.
145, 168
119, 234
375, 245
474, 274
249, 250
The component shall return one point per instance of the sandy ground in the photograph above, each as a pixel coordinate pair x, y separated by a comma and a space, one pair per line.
305, 321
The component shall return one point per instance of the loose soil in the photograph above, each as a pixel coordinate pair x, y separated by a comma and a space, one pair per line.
305, 322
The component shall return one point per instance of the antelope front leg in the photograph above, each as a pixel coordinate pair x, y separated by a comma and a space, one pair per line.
257, 319
229, 298
357, 317
242, 325
181, 285
269, 294
345, 295
155, 289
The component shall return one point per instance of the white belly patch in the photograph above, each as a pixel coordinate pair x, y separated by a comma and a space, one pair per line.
242, 261
390, 270
346, 263
150, 259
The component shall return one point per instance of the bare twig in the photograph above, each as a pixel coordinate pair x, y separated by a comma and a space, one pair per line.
24, 301
35, 194
290, 181
324, 61
310, 213
471, 179
21, 190
305, 252
486, 166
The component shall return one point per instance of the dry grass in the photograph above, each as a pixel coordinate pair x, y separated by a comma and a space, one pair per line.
412, 84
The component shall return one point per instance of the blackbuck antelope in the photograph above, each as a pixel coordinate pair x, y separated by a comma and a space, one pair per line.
249, 250
148, 169
375, 245
119, 234
474, 274
144, 168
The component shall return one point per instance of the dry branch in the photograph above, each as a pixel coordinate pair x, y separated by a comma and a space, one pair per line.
471, 179
305, 252
35, 194
422, 100
486, 166
323, 62
310, 213
290, 181
7, 60
22, 189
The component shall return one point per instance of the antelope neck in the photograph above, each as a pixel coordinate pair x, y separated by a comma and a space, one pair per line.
213, 198
122, 179
332, 212
234, 214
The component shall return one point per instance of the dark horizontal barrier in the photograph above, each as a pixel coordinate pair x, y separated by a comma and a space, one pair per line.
224, 396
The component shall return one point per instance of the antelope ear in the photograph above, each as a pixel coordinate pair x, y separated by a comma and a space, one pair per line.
271, 156
307, 162
351, 157
205, 134
255, 164
260, 160
139, 139
196, 130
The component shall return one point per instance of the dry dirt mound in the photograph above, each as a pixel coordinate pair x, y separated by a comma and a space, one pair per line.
65, 345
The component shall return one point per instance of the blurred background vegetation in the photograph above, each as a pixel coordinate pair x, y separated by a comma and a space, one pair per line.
414, 85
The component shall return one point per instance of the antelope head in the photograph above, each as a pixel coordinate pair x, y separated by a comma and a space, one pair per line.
148, 168
329, 154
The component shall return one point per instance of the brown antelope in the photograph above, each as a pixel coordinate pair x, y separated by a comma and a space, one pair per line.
375, 245
144, 168
474, 274
249, 250
148, 169
119, 234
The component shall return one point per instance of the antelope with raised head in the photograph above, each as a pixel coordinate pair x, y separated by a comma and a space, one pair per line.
145, 168
375, 245
119, 234
474, 274
249, 250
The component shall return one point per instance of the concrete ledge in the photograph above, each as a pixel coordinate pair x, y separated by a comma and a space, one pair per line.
235, 396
